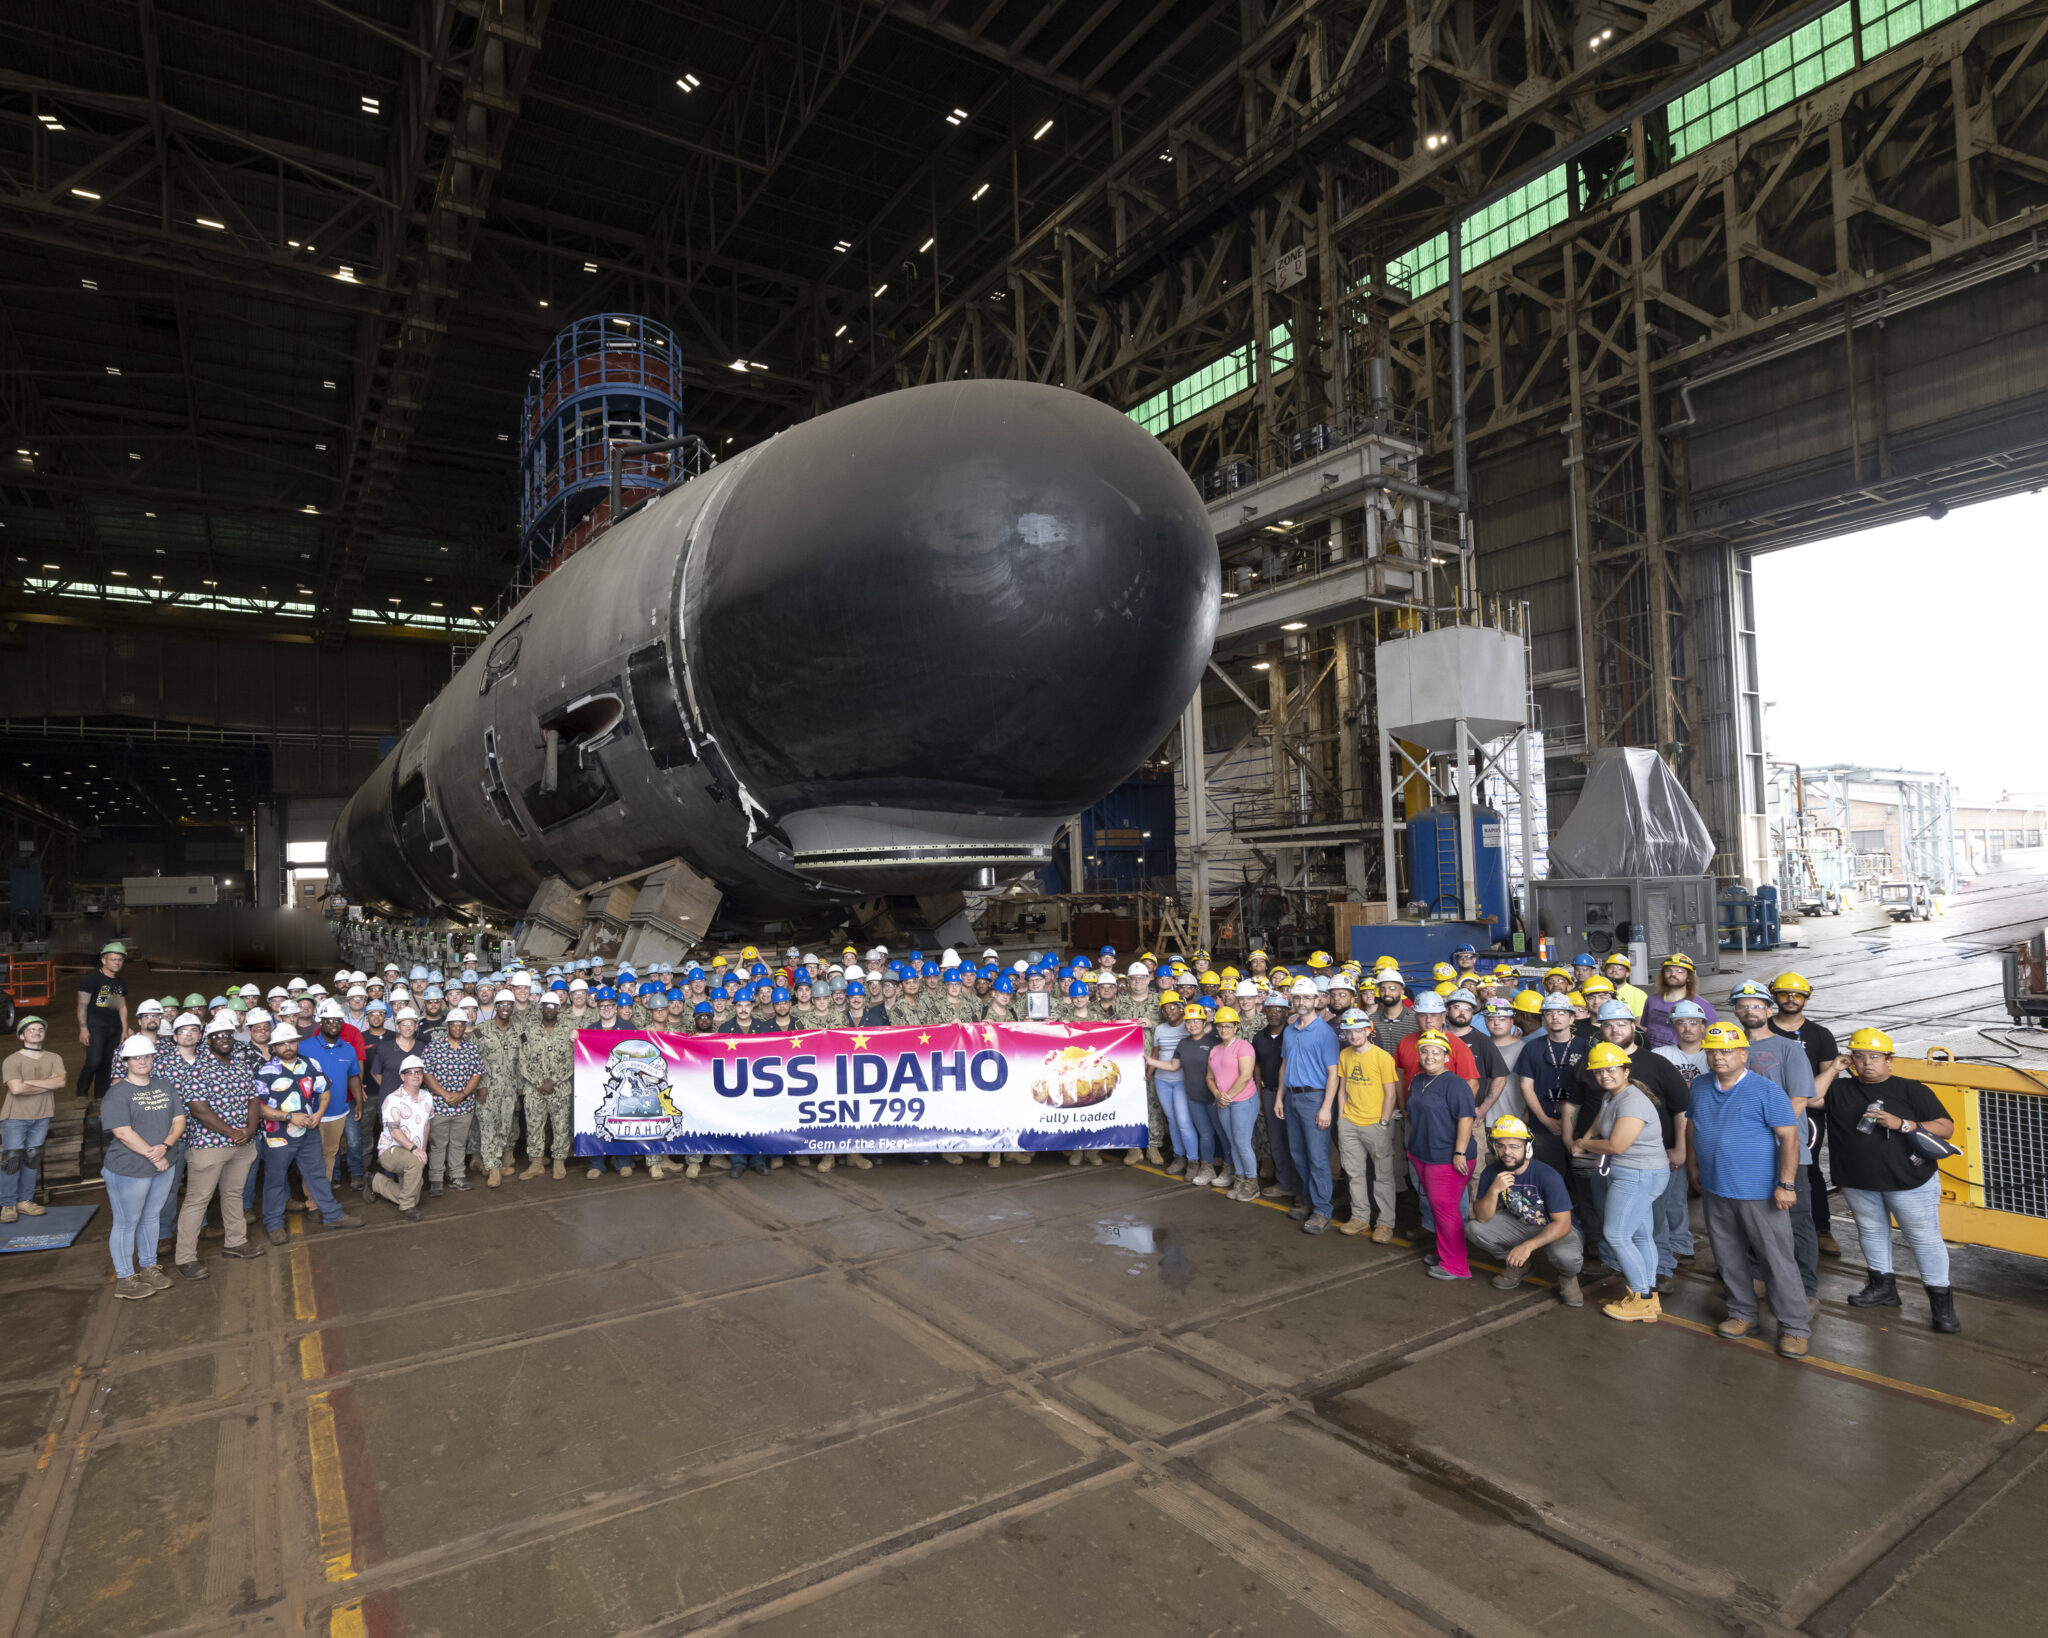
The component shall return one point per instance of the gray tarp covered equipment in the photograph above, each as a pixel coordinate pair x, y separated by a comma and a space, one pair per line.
1633, 819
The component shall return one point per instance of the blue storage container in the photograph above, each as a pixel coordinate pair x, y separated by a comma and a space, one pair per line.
1433, 864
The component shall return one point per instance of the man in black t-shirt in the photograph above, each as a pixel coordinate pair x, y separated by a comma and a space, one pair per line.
102, 1016
1791, 992
1266, 1057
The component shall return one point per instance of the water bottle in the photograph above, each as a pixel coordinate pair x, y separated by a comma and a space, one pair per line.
1869, 1122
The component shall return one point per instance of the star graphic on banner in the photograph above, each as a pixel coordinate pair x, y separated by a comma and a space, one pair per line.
796, 1043
988, 1033
924, 1040
859, 1041
731, 1044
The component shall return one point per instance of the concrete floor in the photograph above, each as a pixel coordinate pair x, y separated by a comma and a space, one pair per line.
1032, 1401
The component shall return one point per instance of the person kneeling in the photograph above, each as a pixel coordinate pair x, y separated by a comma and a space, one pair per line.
402, 1143
1523, 1204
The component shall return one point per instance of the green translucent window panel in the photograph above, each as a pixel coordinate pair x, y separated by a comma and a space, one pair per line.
1155, 415
1533, 208
1279, 348
1887, 23
1228, 376
1766, 81
1422, 269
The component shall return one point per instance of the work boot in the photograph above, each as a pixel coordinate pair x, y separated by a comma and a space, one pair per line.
154, 1277
1316, 1224
1666, 1282
434, 1191
193, 1271
860, 1163
1155, 1155
1021, 1158
347, 1220
491, 1178
1507, 1279
561, 1171
1382, 1234
7, 1214
955, 1160
1734, 1327
278, 1237
28, 1208
1568, 1291
1351, 1225
1176, 1167
1791, 1347
1830, 1246
1075, 1157
1631, 1307
133, 1288
1096, 1157
1879, 1291
410, 1214
656, 1170
1941, 1300
533, 1169
595, 1172
689, 1171
1133, 1156
246, 1251
825, 1162
995, 1157
461, 1185
1298, 1211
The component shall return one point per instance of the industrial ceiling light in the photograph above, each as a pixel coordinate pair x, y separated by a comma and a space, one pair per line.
843, 246
209, 222
879, 289
113, 369
1435, 140
372, 106
1047, 126
921, 249
347, 274
310, 510
839, 332
590, 267
329, 385
739, 364
90, 284
1294, 625
1600, 39
958, 116
1260, 665
543, 303
83, 193
978, 192
688, 83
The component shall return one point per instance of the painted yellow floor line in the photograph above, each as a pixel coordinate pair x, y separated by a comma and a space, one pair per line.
1855, 1373
305, 1306
330, 1493
346, 1621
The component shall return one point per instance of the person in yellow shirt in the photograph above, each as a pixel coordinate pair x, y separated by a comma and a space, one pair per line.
1617, 967
1366, 1140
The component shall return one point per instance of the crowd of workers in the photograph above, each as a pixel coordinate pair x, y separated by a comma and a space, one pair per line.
1581, 1111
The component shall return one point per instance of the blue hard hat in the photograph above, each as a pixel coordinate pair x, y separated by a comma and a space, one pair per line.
1465, 996
951, 975
801, 979
703, 1006
558, 984
627, 970
856, 988
1076, 990
604, 992
1582, 959
779, 995
694, 972
763, 992
436, 993
1107, 950
1688, 1009
418, 975
1005, 985
1464, 949
1613, 1012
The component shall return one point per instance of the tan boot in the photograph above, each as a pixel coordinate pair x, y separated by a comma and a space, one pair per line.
28, 1208
491, 1178
693, 1168
1155, 1156
1382, 1234
954, 1160
860, 1163
533, 1169
656, 1169
825, 1163
7, 1214
560, 1171
994, 1158
1133, 1156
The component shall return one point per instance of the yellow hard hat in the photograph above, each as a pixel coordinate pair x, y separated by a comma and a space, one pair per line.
1509, 1126
1443, 969
1382, 963
1864, 1040
1446, 986
1194, 1009
1796, 985
749, 953
1433, 1037
1232, 973
1557, 972
1226, 1015
1678, 958
1528, 1001
1280, 975
1606, 1055
1504, 969
1596, 985
1575, 998
1610, 960
1319, 958
1724, 1037
1210, 980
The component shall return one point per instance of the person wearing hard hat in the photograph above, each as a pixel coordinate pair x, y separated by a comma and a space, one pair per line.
1878, 1127
547, 1072
1744, 1158
1439, 1113
178, 1066
1790, 993
143, 1120
102, 1017
454, 1071
1195, 1132
408, 1113
1783, 1060
341, 1061
1688, 1021
29, 1082
1431, 1014
1677, 981
500, 1039
1522, 1206
1369, 1089
1308, 1073
1233, 1083
1582, 1100
1617, 968
1391, 1017
222, 1114
1626, 1138
1268, 1051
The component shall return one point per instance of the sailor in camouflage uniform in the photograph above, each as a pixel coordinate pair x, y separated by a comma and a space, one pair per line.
547, 1070
499, 1039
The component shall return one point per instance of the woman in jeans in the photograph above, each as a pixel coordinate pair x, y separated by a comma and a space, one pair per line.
1872, 1115
1236, 1091
142, 1118
1162, 1059
1627, 1135
1193, 1057
1440, 1114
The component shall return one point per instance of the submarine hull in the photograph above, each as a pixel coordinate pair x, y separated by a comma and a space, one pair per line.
889, 651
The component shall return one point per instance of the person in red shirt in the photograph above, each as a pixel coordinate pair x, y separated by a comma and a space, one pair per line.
1429, 1010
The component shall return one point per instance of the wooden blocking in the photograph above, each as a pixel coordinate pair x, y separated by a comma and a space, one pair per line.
670, 915
1344, 917
553, 921
605, 911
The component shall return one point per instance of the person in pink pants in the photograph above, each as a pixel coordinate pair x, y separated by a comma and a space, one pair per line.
1440, 1114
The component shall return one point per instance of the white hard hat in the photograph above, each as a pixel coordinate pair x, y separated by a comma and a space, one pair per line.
355, 990
1303, 986
283, 1035
329, 1008
342, 976
949, 957
148, 1005
250, 992
412, 1060
223, 1023
275, 991
1020, 966
404, 1013
358, 978
255, 1016
1245, 990
1137, 969
187, 1018
576, 984
294, 984
139, 1046
504, 998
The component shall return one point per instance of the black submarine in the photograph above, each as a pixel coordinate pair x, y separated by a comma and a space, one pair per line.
889, 651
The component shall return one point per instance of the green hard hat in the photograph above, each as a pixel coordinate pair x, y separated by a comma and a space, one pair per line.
195, 999
113, 947
21, 1024
171, 1003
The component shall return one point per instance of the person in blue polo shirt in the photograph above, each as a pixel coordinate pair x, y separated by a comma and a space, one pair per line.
1308, 1091
1744, 1156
